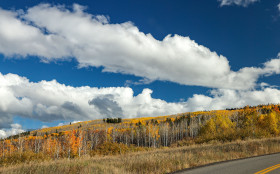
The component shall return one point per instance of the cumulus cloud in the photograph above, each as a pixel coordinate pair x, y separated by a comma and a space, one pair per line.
243, 3
21, 38
49, 100
226, 98
107, 106
118, 48
15, 129
5, 119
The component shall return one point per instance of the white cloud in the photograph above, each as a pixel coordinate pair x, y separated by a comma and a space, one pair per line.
226, 98
44, 126
49, 100
140, 82
21, 38
15, 129
76, 122
67, 123
243, 3
60, 124
278, 6
118, 48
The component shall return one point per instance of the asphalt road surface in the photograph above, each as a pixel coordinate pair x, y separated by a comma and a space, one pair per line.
256, 165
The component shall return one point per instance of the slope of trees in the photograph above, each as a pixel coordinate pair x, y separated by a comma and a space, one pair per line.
105, 138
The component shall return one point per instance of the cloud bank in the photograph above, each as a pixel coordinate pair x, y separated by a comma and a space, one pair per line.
118, 48
49, 100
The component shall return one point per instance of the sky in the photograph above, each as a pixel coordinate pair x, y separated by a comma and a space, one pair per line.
67, 61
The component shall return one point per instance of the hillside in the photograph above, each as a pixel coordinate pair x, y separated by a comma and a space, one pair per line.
97, 137
198, 117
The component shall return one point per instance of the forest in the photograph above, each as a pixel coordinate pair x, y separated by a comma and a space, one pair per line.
107, 137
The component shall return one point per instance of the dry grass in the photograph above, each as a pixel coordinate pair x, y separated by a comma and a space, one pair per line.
157, 161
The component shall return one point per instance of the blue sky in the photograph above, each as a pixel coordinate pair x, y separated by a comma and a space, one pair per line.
159, 57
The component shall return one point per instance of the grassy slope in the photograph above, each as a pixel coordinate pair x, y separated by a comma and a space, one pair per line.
157, 161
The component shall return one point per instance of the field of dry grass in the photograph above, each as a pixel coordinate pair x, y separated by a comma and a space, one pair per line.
163, 160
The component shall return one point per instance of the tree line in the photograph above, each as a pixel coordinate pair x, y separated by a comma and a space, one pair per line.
224, 125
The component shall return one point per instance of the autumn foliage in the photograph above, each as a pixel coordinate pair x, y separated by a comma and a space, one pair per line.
102, 138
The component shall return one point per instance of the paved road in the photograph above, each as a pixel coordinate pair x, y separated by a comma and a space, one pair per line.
257, 165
